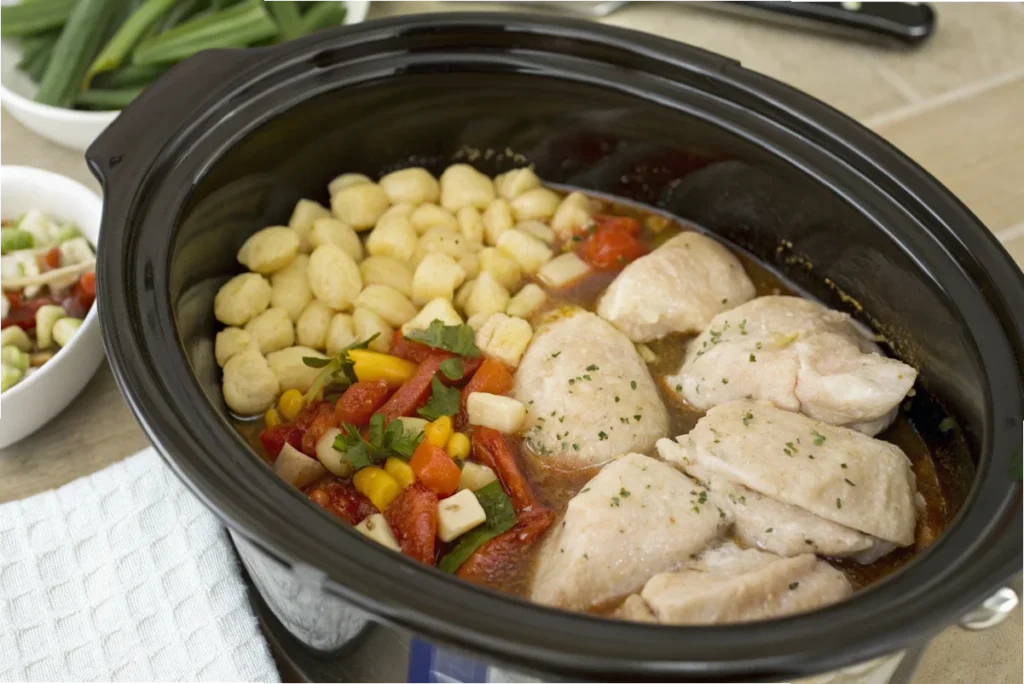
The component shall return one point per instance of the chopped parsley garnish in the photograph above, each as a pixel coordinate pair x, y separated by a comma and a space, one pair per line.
602, 435
839, 502
769, 530
458, 339
615, 501
743, 327
752, 359
725, 381
616, 399
632, 383
819, 438
843, 466
575, 447
623, 492
444, 401
637, 417
592, 367
703, 498
337, 372
383, 442
556, 354
747, 417
679, 388
849, 481
453, 369
793, 585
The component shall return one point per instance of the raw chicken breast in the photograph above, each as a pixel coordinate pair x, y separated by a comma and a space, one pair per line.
799, 355
635, 518
588, 394
835, 473
679, 287
728, 584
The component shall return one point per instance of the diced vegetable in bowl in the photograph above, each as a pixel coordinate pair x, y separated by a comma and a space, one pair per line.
47, 269
453, 364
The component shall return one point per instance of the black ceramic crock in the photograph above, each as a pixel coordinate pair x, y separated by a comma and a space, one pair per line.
229, 140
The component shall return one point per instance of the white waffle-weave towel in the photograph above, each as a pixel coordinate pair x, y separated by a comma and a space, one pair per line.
123, 575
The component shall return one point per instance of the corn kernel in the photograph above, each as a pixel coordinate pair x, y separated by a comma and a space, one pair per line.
377, 485
371, 365
457, 446
272, 418
290, 403
400, 470
438, 431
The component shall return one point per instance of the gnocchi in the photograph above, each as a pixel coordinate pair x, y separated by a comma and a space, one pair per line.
248, 385
428, 216
290, 369
502, 266
241, 298
572, 215
384, 270
471, 224
538, 203
341, 332
345, 180
334, 277
388, 303
437, 276
440, 309
497, 219
305, 213
367, 324
271, 330
445, 241
505, 338
289, 287
269, 250
529, 252
395, 238
527, 302
311, 328
359, 205
414, 186
331, 231
487, 296
516, 182
464, 186
231, 341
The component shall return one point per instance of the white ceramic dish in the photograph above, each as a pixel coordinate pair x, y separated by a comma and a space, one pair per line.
35, 401
70, 127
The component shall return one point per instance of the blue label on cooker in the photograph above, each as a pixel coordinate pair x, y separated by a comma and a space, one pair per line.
428, 663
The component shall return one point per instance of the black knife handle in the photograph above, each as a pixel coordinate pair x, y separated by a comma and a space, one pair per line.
909, 23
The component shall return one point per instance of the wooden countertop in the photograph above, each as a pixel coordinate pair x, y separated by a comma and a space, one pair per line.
954, 106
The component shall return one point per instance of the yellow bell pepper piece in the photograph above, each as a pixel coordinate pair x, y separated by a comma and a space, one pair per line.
400, 470
371, 365
272, 418
437, 432
290, 403
457, 446
377, 486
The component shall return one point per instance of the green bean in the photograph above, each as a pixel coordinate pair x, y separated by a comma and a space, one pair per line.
183, 10
286, 14
83, 34
28, 18
35, 54
323, 15
128, 35
128, 76
237, 26
107, 100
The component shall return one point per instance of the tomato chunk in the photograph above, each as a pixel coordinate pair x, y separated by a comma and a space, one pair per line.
610, 248
88, 283
408, 349
24, 315
415, 392
625, 223
500, 556
274, 438
322, 418
413, 520
342, 499
360, 401
435, 469
491, 449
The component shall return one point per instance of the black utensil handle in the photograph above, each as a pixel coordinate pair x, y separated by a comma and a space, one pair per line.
909, 23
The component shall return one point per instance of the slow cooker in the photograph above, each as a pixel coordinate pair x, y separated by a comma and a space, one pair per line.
228, 141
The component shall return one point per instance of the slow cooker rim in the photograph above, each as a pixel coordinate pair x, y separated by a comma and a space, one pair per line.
382, 556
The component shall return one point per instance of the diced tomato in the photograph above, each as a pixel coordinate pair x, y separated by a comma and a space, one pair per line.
323, 418
435, 469
13, 298
409, 350
491, 449
82, 294
610, 248
342, 499
360, 401
25, 314
626, 223
491, 377
496, 558
88, 283
274, 438
415, 392
413, 520
50, 260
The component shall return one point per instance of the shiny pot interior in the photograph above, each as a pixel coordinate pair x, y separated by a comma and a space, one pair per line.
227, 142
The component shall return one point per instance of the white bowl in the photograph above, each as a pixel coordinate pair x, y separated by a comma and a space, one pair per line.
70, 127
35, 401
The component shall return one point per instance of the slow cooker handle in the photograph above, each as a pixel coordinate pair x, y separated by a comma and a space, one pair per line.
143, 128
